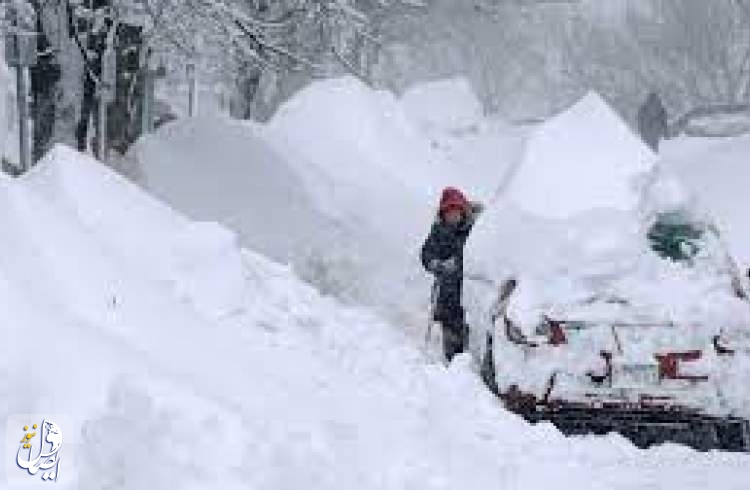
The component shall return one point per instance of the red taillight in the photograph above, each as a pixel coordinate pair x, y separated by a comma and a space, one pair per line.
669, 365
556, 333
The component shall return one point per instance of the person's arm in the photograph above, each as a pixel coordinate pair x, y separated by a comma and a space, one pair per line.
476, 208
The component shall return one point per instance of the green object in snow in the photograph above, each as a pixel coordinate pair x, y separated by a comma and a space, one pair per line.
675, 237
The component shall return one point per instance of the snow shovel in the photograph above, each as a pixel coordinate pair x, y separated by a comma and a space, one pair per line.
431, 315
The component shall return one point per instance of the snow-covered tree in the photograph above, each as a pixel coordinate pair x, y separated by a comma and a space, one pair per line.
266, 49
529, 58
261, 49
505, 48
693, 53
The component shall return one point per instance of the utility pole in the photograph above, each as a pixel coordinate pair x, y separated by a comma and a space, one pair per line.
20, 53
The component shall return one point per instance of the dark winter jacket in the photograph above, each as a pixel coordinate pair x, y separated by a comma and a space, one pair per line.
443, 243
652, 121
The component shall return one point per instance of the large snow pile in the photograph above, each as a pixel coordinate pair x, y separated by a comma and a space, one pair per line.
221, 170
347, 202
718, 173
574, 195
483, 152
379, 162
385, 166
355, 241
378, 150
267, 386
582, 159
443, 105
574, 232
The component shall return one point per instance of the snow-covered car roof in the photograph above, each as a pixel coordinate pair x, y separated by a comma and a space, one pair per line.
591, 228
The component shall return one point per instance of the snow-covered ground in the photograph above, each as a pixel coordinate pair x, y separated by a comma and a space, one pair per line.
347, 203
718, 172
358, 194
572, 229
187, 360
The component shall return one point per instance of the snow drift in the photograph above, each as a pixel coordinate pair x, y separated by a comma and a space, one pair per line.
443, 106
277, 388
367, 138
358, 195
221, 170
483, 151
717, 173
349, 240
575, 227
381, 163
584, 158
346, 203
575, 194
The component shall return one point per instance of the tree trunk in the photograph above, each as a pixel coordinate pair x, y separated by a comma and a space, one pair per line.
45, 77
124, 122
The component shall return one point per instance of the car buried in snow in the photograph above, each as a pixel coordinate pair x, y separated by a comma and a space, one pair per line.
658, 350
625, 311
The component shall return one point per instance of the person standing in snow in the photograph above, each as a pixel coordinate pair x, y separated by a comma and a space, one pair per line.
442, 255
652, 121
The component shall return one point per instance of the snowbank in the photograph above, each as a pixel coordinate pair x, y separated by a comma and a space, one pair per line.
346, 203
574, 195
717, 173
443, 105
221, 170
129, 227
483, 152
574, 230
374, 166
353, 241
289, 390
381, 164
388, 156
582, 159
186, 362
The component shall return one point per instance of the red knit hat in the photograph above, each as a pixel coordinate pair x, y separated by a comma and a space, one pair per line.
452, 198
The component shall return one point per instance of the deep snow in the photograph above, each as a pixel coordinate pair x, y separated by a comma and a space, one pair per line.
368, 180
188, 361
573, 228
275, 388
718, 173
582, 159
346, 203
218, 169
